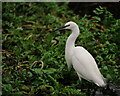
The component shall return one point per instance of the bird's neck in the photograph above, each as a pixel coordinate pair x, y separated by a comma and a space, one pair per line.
71, 39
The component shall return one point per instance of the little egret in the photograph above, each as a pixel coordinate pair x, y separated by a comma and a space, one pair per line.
81, 60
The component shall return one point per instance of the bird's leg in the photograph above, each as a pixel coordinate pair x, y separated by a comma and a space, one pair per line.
79, 76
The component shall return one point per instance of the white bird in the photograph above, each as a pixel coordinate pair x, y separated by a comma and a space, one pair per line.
81, 60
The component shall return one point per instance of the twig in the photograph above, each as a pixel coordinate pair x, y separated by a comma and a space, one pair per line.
42, 64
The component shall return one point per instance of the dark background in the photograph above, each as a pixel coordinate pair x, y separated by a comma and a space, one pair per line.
82, 8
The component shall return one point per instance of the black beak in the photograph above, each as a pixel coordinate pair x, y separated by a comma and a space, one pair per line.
61, 28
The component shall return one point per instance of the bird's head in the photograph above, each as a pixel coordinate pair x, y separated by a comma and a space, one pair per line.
68, 25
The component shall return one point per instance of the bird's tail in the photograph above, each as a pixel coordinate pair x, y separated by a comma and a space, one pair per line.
102, 82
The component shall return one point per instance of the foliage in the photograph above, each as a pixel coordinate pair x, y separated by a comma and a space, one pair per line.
33, 55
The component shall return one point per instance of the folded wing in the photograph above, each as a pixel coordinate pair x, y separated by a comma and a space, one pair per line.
86, 67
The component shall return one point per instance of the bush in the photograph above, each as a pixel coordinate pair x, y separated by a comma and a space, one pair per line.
33, 55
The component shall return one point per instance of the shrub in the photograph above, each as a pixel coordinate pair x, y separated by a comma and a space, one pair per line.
33, 55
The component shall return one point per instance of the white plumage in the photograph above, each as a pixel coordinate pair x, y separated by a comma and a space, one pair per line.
81, 60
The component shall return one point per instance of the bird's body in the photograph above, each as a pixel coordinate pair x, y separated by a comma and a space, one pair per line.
86, 67
81, 60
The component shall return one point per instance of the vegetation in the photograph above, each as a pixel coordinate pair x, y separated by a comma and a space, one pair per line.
33, 55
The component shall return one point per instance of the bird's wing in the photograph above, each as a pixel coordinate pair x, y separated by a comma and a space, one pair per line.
85, 65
